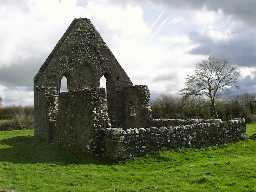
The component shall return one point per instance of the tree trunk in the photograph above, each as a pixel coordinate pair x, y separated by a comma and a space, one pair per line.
213, 109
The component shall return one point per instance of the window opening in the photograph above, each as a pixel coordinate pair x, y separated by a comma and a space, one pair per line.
64, 85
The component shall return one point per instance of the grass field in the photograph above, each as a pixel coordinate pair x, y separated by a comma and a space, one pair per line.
27, 165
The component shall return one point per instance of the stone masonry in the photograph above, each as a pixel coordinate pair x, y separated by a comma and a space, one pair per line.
113, 123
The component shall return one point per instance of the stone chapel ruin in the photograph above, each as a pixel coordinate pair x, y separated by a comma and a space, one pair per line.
113, 123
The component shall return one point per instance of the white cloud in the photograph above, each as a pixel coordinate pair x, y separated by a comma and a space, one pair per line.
18, 96
214, 24
248, 72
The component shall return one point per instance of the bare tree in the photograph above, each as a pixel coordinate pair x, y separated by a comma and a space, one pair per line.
210, 78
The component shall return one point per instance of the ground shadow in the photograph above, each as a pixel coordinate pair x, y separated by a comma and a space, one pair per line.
28, 149
252, 137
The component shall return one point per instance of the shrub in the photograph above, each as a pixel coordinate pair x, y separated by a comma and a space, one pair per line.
198, 108
16, 118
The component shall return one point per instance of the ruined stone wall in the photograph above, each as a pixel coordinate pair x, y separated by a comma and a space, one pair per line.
83, 58
80, 116
137, 110
41, 115
121, 144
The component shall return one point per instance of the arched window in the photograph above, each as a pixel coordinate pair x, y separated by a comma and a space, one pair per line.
64, 85
103, 82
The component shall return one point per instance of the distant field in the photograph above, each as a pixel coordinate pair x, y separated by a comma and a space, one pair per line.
27, 165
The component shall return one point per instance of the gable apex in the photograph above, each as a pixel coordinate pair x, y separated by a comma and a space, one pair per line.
81, 40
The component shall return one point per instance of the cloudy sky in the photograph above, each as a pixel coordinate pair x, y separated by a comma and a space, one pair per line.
158, 42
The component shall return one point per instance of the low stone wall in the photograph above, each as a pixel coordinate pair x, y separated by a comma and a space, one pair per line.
177, 122
121, 144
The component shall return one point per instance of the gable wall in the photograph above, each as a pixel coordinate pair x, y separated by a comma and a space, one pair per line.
83, 58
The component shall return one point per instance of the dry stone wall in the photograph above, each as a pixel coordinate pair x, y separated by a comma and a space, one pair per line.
176, 122
121, 144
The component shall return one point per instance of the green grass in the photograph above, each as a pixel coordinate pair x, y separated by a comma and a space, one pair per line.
28, 165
